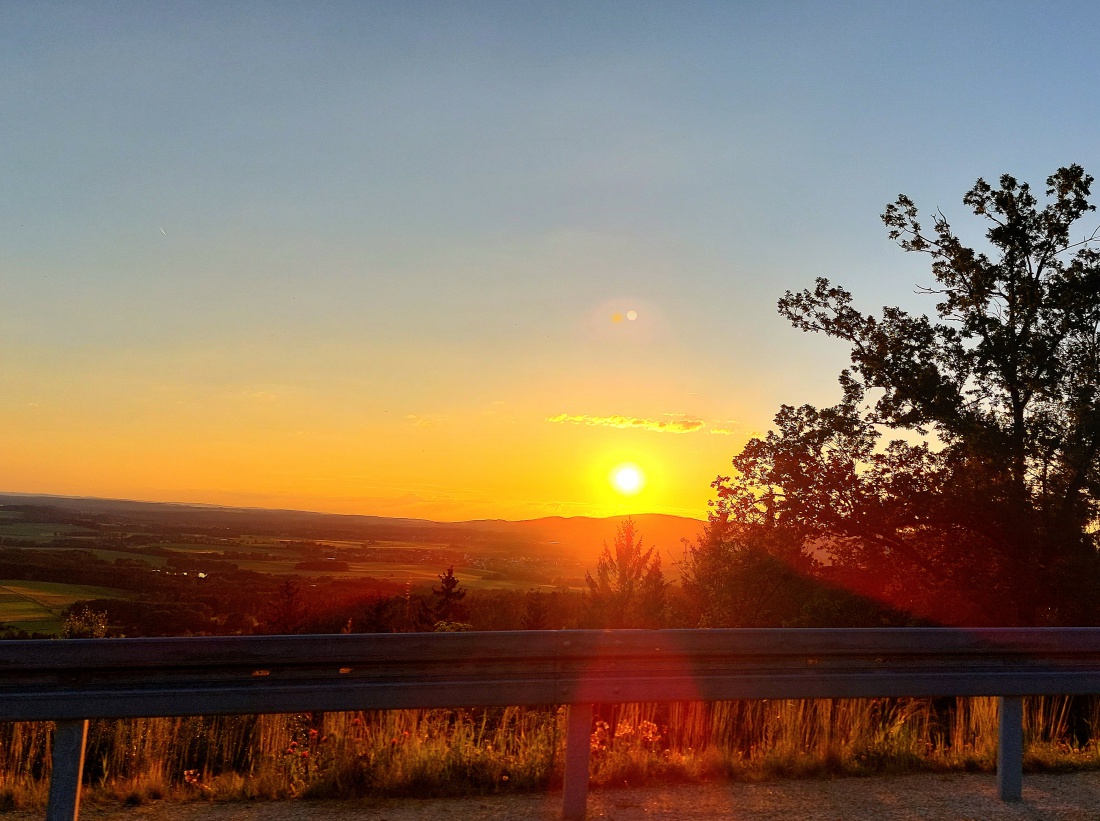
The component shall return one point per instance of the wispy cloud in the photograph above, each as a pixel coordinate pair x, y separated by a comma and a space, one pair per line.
632, 423
423, 420
723, 427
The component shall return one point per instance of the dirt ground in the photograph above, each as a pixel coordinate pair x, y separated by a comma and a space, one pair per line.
903, 798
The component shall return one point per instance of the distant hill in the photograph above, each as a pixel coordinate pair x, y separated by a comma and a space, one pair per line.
584, 536
579, 537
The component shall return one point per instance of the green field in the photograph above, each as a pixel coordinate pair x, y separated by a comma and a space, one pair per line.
405, 566
419, 573
41, 532
274, 549
111, 555
36, 606
401, 573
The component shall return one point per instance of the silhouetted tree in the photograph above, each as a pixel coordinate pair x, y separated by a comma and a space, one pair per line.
737, 576
448, 599
629, 587
984, 508
536, 614
287, 611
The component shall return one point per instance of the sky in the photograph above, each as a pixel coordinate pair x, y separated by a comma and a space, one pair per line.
466, 260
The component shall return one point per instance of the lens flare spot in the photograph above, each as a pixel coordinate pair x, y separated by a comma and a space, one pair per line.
631, 315
616, 318
627, 479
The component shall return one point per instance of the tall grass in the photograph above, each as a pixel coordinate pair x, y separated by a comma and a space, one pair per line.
448, 752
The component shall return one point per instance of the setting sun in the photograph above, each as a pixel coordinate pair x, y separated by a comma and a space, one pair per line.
628, 479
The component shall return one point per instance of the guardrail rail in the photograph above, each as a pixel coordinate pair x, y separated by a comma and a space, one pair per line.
72, 681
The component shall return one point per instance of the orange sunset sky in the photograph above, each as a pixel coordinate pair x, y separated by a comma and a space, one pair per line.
463, 260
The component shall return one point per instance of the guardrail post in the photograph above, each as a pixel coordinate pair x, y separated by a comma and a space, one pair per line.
578, 743
68, 767
1010, 748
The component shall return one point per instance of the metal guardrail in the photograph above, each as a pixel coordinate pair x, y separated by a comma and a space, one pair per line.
76, 680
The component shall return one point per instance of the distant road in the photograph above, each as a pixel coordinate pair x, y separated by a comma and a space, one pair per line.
1073, 797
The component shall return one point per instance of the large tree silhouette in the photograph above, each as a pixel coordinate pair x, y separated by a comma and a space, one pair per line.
958, 476
448, 607
628, 589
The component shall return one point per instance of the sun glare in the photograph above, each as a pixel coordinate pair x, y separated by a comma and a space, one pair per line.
628, 479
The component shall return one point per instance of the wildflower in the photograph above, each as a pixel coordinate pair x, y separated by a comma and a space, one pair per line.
293, 744
313, 734
600, 736
305, 753
355, 722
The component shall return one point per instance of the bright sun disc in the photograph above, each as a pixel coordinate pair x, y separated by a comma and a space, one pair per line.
628, 479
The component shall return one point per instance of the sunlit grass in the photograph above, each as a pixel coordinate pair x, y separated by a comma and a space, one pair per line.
463, 752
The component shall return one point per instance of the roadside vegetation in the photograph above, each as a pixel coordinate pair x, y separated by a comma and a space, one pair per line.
461, 752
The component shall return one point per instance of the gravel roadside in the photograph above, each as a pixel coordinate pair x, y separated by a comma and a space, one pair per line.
1072, 797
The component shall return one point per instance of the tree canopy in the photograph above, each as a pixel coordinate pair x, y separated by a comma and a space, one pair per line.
958, 477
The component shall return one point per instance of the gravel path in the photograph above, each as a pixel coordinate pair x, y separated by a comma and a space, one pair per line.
902, 798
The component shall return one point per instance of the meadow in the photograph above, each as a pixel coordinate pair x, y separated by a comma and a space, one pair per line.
460, 752
39, 532
412, 562
38, 607
204, 577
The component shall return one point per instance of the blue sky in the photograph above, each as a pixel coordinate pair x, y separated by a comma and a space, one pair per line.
228, 230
